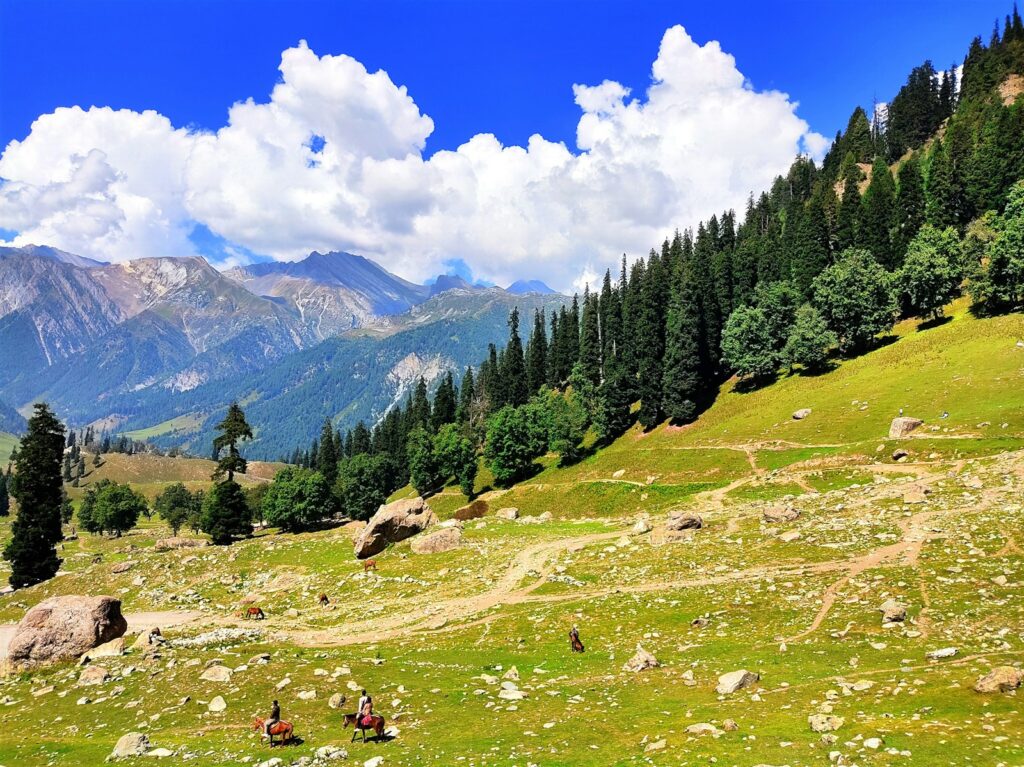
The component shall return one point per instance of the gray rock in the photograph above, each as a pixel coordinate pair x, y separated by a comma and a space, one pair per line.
641, 661
216, 674
777, 514
132, 744
893, 611
393, 523
903, 426
736, 680
217, 705
801, 414
1000, 679
93, 675
682, 520
63, 628
824, 722
509, 513
435, 543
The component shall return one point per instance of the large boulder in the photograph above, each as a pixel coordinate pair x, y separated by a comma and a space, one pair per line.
1000, 679
434, 543
64, 628
778, 514
393, 523
902, 426
683, 520
736, 680
801, 414
132, 744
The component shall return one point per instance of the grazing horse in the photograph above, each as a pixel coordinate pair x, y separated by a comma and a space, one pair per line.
323, 600
255, 613
377, 725
369, 564
282, 729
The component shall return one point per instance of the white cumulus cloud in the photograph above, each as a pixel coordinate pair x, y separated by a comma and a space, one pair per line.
335, 159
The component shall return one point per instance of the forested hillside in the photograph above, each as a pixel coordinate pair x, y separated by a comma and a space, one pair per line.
909, 210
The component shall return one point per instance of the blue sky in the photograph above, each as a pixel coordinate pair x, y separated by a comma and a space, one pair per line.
473, 66
335, 157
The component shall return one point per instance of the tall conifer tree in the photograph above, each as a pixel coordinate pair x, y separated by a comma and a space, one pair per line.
37, 488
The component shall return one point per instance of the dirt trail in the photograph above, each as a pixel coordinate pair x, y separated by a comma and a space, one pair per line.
539, 558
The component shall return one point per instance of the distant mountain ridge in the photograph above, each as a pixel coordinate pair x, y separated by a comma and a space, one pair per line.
128, 343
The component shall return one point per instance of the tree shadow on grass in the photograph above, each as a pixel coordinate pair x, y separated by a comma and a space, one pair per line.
934, 322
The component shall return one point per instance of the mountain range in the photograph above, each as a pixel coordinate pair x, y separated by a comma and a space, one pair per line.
161, 345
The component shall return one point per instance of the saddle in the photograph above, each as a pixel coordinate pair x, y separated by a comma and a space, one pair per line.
279, 727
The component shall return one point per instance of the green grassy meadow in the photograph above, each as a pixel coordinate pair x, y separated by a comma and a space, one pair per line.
434, 637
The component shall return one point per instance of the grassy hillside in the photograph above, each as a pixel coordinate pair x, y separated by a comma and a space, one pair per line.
434, 636
7, 443
152, 473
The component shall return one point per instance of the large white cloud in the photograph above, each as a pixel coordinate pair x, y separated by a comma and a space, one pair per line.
336, 160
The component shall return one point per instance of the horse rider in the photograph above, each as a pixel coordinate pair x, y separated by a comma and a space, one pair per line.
365, 709
574, 638
274, 718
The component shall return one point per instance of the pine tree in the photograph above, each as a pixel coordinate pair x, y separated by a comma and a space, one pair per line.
910, 205
327, 459
610, 314
443, 410
514, 368
652, 348
537, 353
233, 429
467, 393
419, 408
849, 210
681, 379
37, 488
943, 205
877, 216
5, 500
812, 245
590, 339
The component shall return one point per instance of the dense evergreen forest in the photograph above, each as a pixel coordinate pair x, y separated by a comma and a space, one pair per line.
910, 208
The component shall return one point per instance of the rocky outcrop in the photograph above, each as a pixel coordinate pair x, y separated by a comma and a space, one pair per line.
903, 426
1000, 679
63, 628
443, 540
393, 523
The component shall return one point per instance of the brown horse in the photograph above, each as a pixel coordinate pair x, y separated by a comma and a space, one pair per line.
323, 600
255, 613
282, 729
357, 725
369, 564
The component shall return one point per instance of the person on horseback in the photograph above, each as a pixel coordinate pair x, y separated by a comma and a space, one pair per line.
365, 710
574, 640
274, 718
